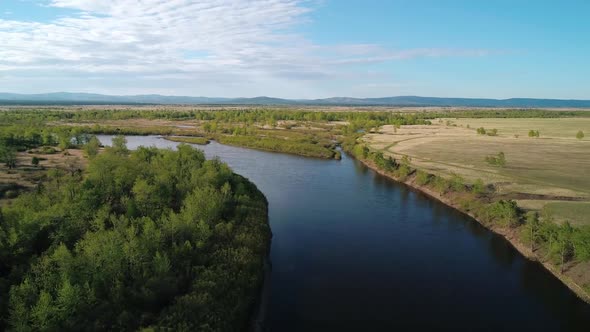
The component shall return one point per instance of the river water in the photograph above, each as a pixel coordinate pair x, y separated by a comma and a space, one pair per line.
354, 251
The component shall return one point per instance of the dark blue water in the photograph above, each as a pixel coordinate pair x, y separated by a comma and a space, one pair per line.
353, 251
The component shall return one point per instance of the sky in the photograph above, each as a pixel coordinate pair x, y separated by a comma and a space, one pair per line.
297, 48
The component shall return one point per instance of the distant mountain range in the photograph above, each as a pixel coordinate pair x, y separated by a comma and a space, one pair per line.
66, 98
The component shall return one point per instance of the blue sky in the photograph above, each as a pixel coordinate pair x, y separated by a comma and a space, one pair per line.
297, 49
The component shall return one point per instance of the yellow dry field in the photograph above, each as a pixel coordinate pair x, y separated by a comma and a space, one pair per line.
26, 176
565, 128
552, 168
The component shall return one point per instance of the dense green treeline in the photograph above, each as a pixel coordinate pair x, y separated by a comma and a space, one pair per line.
21, 138
253, 115
247, 128
221, 115
150, 238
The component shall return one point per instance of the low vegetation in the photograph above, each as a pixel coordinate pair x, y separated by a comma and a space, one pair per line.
189, 140
498, 160
534, 133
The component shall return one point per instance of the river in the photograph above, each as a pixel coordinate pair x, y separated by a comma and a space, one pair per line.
354, 251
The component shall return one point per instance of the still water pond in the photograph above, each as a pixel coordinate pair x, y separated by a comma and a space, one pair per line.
353, 251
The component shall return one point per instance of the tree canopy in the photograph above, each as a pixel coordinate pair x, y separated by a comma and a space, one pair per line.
145, 239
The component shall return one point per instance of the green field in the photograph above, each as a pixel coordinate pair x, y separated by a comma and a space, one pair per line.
577, 213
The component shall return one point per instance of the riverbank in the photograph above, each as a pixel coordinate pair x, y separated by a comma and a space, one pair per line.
273, 144
508, 234
198, 140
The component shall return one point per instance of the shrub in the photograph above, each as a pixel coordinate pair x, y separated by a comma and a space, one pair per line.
478, 187
457, 183
499, 160
440, 184
403, 171
504, 213
422, 178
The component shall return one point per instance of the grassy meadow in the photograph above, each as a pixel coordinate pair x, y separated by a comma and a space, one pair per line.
552, 168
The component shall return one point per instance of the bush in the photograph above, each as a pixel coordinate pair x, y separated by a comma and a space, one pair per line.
385, 164
581, 241
457, 183
440, 184
478, 187
504, 213
580, 135
403, 171
422, 178
499, 160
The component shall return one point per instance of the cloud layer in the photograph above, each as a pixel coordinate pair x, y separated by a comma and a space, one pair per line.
224, 43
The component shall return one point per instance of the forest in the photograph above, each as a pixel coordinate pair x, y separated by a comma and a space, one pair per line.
147, 239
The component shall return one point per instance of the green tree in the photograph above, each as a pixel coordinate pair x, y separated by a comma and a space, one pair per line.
42, 313
120, 145
65, 139
478, 187
581, 242
440, 184
92, 147
505, 213
457, 183
35, 161
499, 160
422, 178
532, 227
360, 151
580, 135
8, 155
565, 245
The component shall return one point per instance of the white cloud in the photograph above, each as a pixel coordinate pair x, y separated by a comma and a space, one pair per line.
198, 42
